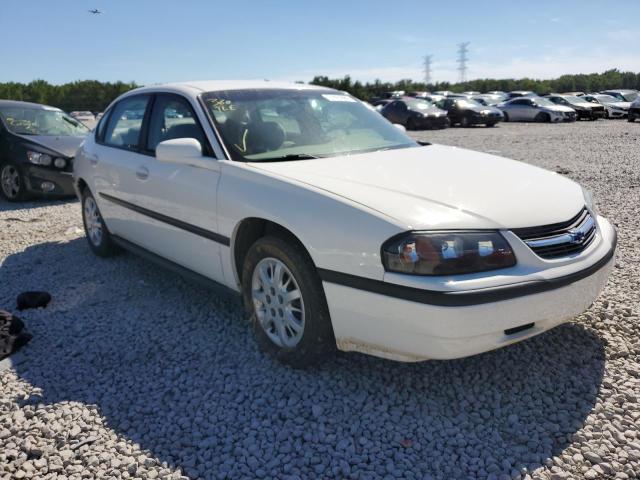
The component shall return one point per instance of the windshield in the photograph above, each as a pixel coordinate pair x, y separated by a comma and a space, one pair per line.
573, 99
629, 96
39, 121
287, 124
545, 102
606, 98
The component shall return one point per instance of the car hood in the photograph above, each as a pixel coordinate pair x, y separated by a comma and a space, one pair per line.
482, 108
441, 187
430, 111
586, 105
558, 108
64, 145
622, 105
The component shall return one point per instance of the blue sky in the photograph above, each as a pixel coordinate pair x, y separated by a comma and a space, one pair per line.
151, 41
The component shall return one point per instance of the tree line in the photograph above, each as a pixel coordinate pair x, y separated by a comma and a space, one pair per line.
94, 96
89, 95
591, 82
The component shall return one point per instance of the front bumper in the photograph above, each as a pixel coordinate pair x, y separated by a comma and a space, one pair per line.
434, 122
413, 330
614, 113
486, 119
62, 181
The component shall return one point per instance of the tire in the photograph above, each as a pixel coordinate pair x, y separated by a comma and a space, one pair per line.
13, 185
411, 124
307, 336
542, 117
606, 114
95, 229
465, 122
490, 124
631, 118
505, 117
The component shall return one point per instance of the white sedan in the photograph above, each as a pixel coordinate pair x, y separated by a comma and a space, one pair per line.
335, 226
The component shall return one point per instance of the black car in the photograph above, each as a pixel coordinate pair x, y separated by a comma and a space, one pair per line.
466, 112
585, 110
415, 114
634, 110
37, 146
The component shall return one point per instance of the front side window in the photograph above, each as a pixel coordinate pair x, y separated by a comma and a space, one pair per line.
283, 124
27, 120
125, 122
173, 118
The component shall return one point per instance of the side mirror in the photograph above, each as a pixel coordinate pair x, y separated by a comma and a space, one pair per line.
183, 151
400, 127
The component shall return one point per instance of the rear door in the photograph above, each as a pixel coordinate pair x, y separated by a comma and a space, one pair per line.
116, 160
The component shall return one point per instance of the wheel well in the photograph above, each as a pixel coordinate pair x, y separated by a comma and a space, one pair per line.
252, 229
81, 185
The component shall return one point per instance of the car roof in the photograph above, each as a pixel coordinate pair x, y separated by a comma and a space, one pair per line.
196, 87
16, 103
619, 90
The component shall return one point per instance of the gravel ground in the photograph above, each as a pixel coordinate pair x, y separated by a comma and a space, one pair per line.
134, 373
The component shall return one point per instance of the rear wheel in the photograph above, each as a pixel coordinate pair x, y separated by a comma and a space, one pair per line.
284, 297
95, 229
12, 183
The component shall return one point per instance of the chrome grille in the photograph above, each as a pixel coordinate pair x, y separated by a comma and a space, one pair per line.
560, 239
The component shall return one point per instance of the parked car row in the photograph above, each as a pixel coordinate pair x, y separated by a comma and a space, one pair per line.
418, 110
420, 113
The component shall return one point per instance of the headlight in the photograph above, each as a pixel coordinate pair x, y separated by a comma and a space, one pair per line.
39, 158
588, 201
447, 253
60, 162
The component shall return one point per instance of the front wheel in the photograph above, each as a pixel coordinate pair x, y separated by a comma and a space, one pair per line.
12, 183
505, 117
543, 117
465, 122
95, 229
283, 295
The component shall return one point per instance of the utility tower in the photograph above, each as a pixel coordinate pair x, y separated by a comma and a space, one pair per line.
463, 50
427, 69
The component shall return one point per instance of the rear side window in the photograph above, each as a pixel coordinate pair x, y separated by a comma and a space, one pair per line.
124, 125
102, 124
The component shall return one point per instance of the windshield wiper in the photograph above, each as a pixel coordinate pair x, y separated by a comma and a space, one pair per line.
288, 157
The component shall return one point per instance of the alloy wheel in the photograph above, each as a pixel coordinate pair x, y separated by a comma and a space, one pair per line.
92, 221
10, 181
278, 302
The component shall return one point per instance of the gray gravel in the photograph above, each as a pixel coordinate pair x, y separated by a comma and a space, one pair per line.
134, 373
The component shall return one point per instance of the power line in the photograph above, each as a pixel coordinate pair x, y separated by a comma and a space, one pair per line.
427, 69
463, 50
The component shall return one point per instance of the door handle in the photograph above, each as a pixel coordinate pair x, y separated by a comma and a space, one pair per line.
142, 173
93, 160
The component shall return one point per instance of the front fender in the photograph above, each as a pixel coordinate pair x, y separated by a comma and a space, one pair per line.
339, 234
